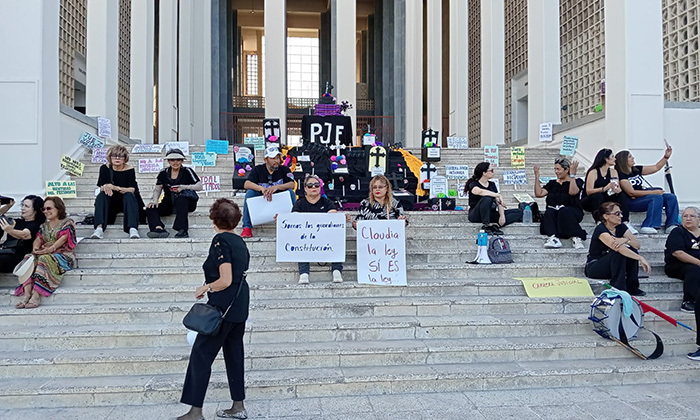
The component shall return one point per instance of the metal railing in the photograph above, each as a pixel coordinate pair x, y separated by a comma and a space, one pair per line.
294, 103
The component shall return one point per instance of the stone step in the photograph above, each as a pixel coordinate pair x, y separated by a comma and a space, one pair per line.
321, 382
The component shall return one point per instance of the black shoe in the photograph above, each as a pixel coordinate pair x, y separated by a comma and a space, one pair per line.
638, 292
688, 307
182, 233
158, 233
695, 355
496, 230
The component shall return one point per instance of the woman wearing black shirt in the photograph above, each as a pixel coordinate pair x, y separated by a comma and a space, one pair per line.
119, 192
224, 272
613, 252
486, 204
21, 233
173, 181
563, 215
381, 204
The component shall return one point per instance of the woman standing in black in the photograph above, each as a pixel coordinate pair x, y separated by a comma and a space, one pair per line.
224, 272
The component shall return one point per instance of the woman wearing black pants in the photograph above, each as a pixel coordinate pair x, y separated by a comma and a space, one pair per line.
613, 252
486, 204
224, 273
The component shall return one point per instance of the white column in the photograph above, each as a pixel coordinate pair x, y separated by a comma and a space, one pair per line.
103, 61
543, 64
492, 72
141, 96
276, 63
344, 71
200, 82
414, 72
185, 76
434, 43
167, 70
634, 77
459, 68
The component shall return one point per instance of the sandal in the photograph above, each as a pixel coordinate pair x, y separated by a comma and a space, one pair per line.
227, 414
23, 303
34, 302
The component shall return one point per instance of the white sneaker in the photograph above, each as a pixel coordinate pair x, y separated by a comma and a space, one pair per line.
578, 242
633, 231
304, 278
552, 242
337, 277
99, 233
670, 228
648, 230
134, 233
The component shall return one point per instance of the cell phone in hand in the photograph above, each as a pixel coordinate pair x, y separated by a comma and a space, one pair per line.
6, 219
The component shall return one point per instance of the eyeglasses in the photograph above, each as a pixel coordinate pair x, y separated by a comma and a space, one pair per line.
616, 213
119, 156
48, 208
379, 187
315, 185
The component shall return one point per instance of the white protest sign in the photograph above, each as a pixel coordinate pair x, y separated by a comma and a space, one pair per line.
211, 183
491, 155
147, 148
104, 128
304, 237
438, 187
369, 139
457, 171
377, 170
90, 141
568, 146
150, 166
262, 211
381, 252
182, 145
461, 185
457, 143
99, 155
517, 177
546, 132
432, 152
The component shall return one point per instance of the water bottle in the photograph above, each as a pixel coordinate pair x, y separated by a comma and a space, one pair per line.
527, 215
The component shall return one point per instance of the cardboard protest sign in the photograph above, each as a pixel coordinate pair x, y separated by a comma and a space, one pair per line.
303, 237
72, 166
63, 189
211, 183
556, 287
104, 128
381, 252
182, 145
523, 197
262, 211
257, 142
220, 147
457, 143
517, 177
90, 141
491, 155
517, 157
147, 148
203, 159
546, 132
438, 187
150, 166
457, 171
568, 146
99, 155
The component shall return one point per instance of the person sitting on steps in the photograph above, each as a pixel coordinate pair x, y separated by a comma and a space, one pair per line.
265, 180
640, 198
178, 185
20, 233
381, 204
486, 205
562, 218
682, 257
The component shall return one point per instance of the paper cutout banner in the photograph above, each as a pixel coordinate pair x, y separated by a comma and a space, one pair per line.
63, 189
150, 166
457, 143
491, 155
546, 132
203, 159
90, 141
556, 287
303, 237
381, 252
457, 171
72, 166
211, 183
517, 157
220, 147
147, 148
517, 177
568, 146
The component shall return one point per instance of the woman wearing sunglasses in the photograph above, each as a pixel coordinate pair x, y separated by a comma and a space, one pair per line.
314, 202
53, 250
613, 254
486, 205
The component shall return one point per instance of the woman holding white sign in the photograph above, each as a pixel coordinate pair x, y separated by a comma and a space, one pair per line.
381, 204
178, 185
486, 205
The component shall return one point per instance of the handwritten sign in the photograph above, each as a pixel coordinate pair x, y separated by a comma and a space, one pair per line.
377, 170
211, 183
457, 171
257, 142
568, 146
381, 252
546, 132
516, 177
369, 139
63, 189
517, 157
491, 155
461, 185
523, 197
457, 143
203, 159
147, 148
150, 166
182, 145
556, 287
72, 166
220, 147
438, 187
99, 155
90, 141
304, 237
104, 128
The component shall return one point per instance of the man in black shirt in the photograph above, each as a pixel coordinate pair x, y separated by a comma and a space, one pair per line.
265, 180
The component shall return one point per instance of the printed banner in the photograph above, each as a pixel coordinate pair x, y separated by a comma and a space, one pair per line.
63, 189
457, 171
99, 155
457, 143
556, 287
150, 166
491, 155
381, 252
147, 148
220, 147
257, 142
516, 177
90, 141
546, 132
304, 237
72, 166
211, 183
517, 157
203, 159
182, 145
104, 128
568, 146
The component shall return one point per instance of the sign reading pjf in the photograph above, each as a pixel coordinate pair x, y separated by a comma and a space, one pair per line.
381, 252
63, 189
305, 237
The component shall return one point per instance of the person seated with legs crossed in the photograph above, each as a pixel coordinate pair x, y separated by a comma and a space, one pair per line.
486, 205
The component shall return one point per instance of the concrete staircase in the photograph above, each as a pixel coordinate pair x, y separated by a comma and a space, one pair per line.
112, 334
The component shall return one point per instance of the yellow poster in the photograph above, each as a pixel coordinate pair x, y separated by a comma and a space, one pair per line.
517, 157
556, 287
72, 166
63, 189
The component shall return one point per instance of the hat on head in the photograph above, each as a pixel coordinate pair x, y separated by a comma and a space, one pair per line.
174, 154
271, 152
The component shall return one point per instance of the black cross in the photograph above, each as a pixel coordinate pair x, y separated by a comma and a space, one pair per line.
395, 178
329, 87
377, 155
428, 169
430, 135
271, 126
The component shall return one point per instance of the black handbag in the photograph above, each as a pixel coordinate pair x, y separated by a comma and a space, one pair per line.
9, 247
191, 194
205, 318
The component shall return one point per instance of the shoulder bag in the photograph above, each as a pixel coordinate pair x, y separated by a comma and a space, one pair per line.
205, 318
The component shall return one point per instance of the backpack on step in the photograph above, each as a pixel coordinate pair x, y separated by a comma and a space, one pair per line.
499, 251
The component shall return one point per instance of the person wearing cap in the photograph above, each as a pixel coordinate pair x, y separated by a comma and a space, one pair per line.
265, 180
178, 185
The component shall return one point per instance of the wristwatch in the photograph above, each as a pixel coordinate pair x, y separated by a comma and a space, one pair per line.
209, 289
